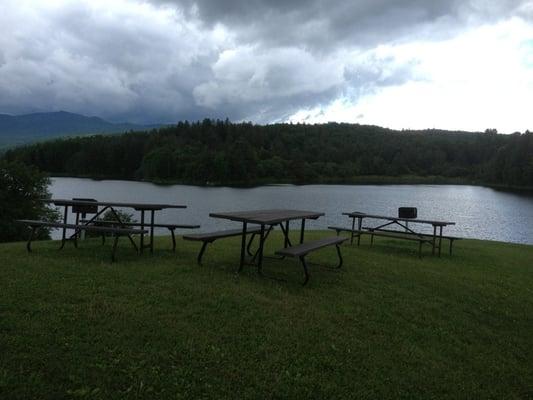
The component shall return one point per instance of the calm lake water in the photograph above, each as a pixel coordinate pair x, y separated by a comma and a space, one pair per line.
478, 212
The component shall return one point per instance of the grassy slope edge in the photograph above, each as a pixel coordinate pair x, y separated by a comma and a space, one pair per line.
388, 325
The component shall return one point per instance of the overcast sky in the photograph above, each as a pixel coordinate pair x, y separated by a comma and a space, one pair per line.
418, 64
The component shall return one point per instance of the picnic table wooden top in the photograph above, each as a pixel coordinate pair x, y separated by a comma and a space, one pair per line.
136, 206
358, 214
267, 217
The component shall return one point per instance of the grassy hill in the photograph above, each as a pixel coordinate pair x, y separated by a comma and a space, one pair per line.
20, 129
388, 325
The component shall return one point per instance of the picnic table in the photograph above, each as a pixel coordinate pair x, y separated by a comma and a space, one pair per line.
81, 204
403, 223
266, 218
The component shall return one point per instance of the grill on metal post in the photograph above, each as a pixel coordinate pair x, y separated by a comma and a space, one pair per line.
407, 212
83, 209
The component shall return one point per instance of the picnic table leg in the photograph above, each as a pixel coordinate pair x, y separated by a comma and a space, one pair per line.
64, 235
117, 217
359, 227
142, 234
302, 231
286, 244
34, 230
451, 244
248, 246
434, 242
250, 242
353, 228
306, 273
243, 246
75, 236
440, 239
152, 212
261, 245
340, 256
201, 253
285, 230
115, 243
173, 239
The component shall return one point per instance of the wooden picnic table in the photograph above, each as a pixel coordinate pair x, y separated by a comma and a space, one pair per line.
110, 205
402, 222
266, 218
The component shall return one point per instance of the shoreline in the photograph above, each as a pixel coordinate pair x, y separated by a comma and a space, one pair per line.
355, 181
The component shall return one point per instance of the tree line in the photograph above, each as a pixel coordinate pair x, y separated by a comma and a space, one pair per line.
220, 152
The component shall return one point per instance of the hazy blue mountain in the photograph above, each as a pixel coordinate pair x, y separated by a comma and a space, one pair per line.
20, 129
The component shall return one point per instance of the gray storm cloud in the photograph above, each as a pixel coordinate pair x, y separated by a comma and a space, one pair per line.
127, 63
163, 61
327, 24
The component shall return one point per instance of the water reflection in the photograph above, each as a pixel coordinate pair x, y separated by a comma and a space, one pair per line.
479, 212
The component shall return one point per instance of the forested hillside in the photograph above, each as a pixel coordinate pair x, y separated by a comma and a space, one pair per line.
220, 152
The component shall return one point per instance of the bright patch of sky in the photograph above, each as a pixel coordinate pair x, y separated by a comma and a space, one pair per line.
480, 79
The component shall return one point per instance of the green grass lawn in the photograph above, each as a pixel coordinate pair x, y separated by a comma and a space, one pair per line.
387, 325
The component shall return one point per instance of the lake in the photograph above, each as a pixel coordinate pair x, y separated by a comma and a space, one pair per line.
479, 212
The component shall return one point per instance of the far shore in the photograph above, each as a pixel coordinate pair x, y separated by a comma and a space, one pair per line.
357, 180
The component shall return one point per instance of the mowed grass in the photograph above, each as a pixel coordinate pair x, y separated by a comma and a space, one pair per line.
387, 325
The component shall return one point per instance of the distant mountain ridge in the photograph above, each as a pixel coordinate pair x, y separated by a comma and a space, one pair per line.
21, 129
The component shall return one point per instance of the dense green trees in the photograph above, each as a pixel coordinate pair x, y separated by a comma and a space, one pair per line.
21, 189
220, 152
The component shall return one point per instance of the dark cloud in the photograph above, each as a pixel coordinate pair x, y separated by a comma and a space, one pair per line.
327, 24
164, 60
133, 64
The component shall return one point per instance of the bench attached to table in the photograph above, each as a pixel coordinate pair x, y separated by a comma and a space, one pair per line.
389, 233
303, 249
116, 232
385, 233
170, 227
210, 237
401, 235
427, 237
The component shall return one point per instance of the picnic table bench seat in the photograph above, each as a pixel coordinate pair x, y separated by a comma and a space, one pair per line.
210, 237
384, 233
394, 234
428, 237
303, 249
35, 225
400, 235
170, 227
